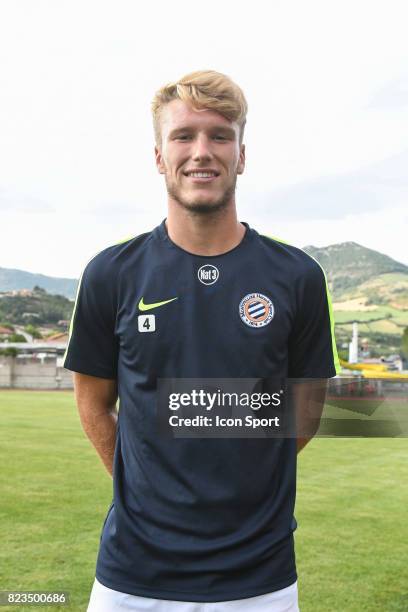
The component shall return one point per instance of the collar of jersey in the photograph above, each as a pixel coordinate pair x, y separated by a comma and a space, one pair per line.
162, 231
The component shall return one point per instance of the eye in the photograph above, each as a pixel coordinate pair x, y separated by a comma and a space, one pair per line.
183, 137
219, 137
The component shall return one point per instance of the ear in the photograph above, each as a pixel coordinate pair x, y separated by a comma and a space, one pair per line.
159, 160
241, 161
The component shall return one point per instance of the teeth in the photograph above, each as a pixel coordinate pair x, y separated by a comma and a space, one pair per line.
201, 174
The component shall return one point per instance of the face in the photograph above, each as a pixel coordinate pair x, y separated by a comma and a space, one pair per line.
200, 157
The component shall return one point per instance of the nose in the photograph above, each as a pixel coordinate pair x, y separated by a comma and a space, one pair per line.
201, 148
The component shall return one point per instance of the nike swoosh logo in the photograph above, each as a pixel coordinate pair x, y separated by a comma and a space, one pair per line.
142, 306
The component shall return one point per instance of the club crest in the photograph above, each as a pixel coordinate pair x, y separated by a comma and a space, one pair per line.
256, 310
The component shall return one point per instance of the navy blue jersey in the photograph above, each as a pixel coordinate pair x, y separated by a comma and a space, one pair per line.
199, 519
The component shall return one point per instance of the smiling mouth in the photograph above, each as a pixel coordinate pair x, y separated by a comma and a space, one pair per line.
201, 177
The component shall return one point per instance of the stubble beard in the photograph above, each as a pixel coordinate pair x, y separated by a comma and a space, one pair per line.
201, 208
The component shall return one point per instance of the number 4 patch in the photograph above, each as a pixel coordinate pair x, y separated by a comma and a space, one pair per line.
146, 323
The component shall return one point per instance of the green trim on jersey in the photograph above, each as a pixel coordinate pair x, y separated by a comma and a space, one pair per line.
71, 324
336, 361
331, 315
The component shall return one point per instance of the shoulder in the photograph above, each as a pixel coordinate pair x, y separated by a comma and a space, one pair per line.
297, 261
107, 263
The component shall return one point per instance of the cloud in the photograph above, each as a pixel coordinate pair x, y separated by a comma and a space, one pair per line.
393, 95
113, 208
15, 202
371, 188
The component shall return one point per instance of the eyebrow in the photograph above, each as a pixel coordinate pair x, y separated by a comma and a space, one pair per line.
218, 128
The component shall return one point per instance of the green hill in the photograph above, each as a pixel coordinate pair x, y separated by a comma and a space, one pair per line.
14, 280
349, 264
39, 308
369, 288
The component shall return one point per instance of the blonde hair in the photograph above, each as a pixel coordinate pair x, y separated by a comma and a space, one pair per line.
203, 90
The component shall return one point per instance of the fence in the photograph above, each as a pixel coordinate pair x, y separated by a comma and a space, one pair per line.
33, 374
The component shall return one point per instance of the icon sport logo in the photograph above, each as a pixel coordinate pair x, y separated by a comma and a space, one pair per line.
256, 310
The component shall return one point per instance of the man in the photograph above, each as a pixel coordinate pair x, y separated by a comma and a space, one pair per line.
196, 523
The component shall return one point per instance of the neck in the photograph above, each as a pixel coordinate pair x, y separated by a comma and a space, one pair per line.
208, 234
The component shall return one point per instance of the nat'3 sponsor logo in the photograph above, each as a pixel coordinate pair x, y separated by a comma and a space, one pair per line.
208, 274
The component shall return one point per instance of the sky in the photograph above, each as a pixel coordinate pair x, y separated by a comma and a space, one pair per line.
326, 135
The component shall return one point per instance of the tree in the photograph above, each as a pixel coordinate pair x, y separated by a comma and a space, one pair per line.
7, 325
10, 351
33, 331
16, 338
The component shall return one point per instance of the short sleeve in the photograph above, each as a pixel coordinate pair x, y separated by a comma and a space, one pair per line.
312, 345
92, 346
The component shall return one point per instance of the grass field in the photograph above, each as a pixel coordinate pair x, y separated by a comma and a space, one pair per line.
382, 313
351, 542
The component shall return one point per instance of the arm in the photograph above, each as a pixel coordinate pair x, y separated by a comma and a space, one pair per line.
309, 397
312, 351
96, 400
